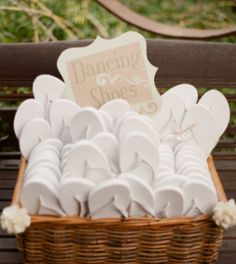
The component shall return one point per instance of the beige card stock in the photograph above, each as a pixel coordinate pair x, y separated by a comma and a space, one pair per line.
109, 69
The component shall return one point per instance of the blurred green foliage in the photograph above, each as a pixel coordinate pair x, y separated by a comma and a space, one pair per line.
45, 20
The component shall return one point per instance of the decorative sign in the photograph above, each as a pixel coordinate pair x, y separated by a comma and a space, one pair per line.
109, 69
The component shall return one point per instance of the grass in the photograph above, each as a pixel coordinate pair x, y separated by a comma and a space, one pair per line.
46, 20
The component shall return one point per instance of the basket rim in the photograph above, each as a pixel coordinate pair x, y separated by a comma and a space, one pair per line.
130, 221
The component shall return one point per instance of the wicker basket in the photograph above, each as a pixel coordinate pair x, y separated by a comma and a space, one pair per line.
134, 240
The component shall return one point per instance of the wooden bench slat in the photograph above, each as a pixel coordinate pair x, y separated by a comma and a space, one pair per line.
4, 204
6, 195
10, 257
227, 144
7, 184
224, 156
225, 165
201, 63
7, 243
229, 245
229, 185
8, 174
226, 258
14, 97
227, 176
230, 233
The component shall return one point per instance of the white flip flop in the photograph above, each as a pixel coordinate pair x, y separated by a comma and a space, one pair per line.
42, 172
137, 151
39, 196
169, 201
87, 160
180, 159
162, 175
107, 120
137, 124
109, 199
34, 132
73, 194
86, 124
66, 148
163, 168
187, 168
187, 92
34, 153
198, 195
45, 156
27, 111
170, 117
47, 164
46, 89
167, 161
54, 142
121, 119
203, 127
201, 177
61, 112
218, 105
108, 143
173, 180
116, 108
142, 196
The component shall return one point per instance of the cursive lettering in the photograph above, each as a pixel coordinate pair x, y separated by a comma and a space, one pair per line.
82, 69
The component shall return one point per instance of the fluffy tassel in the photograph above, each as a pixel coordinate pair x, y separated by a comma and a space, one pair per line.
224, 214
15, 219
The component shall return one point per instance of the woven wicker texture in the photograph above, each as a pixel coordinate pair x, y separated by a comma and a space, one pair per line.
144, 240
140, 241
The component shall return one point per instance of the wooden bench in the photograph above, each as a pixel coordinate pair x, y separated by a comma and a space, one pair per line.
205, 65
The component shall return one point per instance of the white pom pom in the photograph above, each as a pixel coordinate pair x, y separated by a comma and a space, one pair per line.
224, 214
15, 219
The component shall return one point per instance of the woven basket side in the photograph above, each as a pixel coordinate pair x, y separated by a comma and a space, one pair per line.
185, 243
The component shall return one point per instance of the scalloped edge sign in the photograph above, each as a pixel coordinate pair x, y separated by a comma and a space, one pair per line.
108, 69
